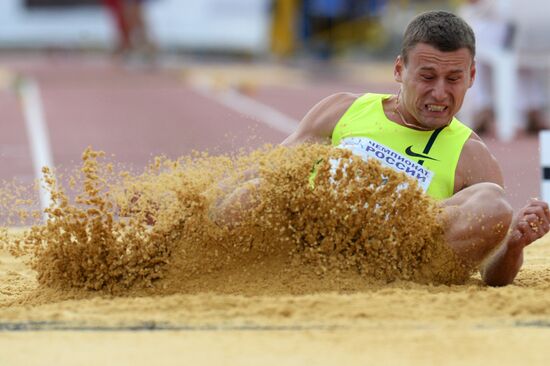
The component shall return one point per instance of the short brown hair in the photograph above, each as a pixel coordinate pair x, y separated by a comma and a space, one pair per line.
445, 31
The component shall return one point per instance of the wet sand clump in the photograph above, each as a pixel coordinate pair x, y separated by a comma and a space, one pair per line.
160, 232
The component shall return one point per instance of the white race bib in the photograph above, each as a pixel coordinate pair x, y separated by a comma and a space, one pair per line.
367, 148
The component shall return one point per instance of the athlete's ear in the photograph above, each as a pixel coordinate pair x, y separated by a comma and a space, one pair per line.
472, 73
398, 69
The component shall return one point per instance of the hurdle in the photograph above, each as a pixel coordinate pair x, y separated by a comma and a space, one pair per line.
544, 143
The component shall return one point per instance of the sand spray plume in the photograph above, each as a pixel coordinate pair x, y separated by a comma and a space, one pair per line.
154, 232
84, 245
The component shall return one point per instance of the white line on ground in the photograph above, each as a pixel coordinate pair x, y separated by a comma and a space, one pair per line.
248, 106
37, 132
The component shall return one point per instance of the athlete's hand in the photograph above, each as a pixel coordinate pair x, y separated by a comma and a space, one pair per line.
529, 224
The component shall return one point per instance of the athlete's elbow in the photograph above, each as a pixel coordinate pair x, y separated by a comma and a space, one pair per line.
497, 281
494, 278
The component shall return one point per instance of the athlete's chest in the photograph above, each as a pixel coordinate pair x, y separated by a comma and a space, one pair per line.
430, 157
396, 156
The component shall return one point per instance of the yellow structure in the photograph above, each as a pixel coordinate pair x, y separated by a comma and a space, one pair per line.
283, 27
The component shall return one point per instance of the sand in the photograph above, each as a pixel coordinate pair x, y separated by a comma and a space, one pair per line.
507, 346
206, 223
401, 323
399, 303
283, 301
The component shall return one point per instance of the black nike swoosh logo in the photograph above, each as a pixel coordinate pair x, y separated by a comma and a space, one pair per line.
409, 152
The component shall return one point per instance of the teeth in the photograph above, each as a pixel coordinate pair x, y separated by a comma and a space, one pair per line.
436, 108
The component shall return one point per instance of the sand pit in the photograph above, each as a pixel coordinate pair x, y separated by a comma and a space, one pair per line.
278, 299
400, 323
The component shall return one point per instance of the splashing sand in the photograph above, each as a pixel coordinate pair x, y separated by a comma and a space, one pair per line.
154, 233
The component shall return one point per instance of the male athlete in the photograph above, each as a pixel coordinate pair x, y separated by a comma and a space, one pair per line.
415, 132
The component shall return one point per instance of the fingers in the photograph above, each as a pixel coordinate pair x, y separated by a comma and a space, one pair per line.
531, 223
536, 203
537, 218
523, 234
540, 208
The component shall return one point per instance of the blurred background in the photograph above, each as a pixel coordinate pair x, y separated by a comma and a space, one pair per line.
142, 78
256, 27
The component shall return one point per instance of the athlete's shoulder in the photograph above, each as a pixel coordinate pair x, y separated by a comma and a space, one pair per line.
477, 164
476, 145
332, 107
318, 123
457, 126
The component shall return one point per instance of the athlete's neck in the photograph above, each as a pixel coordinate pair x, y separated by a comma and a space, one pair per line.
394, 114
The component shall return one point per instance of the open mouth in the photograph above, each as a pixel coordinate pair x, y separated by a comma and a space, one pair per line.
436, 108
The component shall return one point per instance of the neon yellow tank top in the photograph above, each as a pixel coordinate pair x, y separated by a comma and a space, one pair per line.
430, 157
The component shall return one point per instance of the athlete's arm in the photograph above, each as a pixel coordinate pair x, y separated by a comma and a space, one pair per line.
480, 215
477, 216
476, 165
529, 224
318, 123
315, 127
476, 220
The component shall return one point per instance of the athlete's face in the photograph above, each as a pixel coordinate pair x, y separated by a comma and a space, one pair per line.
433, 84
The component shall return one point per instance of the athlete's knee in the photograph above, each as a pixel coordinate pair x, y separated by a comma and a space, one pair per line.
497, 212
494, 196
478, 220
